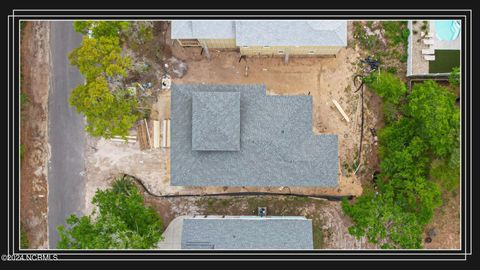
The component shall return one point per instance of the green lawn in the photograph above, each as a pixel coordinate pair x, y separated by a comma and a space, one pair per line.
445, 60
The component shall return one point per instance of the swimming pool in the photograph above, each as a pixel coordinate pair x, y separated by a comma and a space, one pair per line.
447, 29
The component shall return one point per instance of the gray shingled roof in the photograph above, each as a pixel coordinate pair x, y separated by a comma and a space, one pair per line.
266, 33
277, 145
291, 33
247, 233
202, 29
216, 121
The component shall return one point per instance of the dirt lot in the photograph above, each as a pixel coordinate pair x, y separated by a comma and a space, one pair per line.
322, 78
35, 84
445, 224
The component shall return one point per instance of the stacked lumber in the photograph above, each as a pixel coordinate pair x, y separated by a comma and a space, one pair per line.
128, 139
156, 134
166, 133
142, 136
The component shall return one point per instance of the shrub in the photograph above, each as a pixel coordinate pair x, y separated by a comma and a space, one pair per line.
23, 100
23, 238
387, 86
122, 222
454, 77
433, 107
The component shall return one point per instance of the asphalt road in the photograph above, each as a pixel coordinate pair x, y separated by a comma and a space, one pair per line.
66, 184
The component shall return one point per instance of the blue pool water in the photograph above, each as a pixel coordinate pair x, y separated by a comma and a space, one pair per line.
447, 29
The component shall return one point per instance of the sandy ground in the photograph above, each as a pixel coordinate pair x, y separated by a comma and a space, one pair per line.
446, 224
323, 78
33, 180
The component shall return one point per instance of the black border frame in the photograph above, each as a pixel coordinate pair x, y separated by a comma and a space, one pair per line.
11, 188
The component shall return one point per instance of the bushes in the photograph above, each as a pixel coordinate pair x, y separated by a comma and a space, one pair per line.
454, 77
396, 31
433, 107
23, 238
122, 222
23, 100
387, 86
428, 127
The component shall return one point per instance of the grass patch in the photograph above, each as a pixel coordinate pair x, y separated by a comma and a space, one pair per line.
23, 238
22, 151
445, 61
24, 99
396, 32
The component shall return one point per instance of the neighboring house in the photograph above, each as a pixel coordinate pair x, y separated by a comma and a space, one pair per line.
272, 38
433, 50
237, 135
238, 232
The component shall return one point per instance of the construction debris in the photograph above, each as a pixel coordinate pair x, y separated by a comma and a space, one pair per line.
166, 133
128, 139
177, 67
166, 81
156, 134
142, 135
341, 110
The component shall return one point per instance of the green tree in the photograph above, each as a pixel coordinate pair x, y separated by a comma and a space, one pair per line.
382, 221
454, 77
99, 29
397, 213
100, 57
387, 86
108, 114
122, 222
433, 107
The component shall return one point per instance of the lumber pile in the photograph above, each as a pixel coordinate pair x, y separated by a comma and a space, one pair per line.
143, 135
339, 108
129, 139
166, 133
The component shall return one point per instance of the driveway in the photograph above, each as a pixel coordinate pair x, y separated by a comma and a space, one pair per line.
66, 184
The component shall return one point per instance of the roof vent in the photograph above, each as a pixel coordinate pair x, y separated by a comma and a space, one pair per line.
262, 211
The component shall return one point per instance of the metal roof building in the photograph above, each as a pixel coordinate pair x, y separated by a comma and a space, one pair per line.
246, 232
236, 135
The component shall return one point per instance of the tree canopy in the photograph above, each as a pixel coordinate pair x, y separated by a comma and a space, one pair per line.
99, 29
108, 114
99, 57
397, 213
110, 111
433, 108
122, 221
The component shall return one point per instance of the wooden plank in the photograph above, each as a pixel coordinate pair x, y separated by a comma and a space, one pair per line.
168, 133
341, 110
156, 134
142, 136
148, 133
164, 133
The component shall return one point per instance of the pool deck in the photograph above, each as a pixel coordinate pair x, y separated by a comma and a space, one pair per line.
416, 64
445, 44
